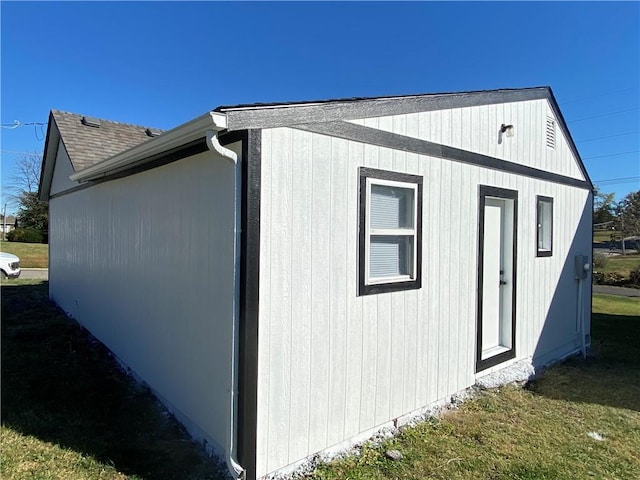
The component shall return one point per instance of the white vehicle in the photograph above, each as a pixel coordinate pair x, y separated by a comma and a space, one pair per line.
9, 266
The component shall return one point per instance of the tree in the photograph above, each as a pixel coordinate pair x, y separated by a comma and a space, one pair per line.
603, 207
26, 175
627, 220
33, 213
23, 189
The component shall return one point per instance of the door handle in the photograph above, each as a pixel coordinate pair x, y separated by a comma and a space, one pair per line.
502, 282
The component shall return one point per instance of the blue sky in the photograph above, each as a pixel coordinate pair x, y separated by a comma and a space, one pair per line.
161, 63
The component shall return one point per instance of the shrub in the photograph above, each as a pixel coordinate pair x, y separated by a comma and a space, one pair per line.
600, 260
611, 278
26, 235
634, 276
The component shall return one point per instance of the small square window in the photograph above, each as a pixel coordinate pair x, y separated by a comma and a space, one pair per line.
390, 231
544, 231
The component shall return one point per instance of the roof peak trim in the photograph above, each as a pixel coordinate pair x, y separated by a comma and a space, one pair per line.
267, 105
283, 115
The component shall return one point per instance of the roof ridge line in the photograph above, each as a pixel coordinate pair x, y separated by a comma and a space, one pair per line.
81, 115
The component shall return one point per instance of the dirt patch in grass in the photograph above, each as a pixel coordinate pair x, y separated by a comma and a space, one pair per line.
32, 255
69, 412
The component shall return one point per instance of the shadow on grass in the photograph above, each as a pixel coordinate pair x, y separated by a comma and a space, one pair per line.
611, 374
61, 386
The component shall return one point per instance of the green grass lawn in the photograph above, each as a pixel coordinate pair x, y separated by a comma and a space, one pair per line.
600, 236
622, 264
32, 255
604, 236
67, 413
538, 432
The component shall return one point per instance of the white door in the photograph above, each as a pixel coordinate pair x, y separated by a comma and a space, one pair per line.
496, 278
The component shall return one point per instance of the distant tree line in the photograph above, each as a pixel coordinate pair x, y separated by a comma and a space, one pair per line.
622, 217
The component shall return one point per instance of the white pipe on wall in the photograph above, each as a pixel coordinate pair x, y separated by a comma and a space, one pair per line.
586, 267
214, 145
580, 320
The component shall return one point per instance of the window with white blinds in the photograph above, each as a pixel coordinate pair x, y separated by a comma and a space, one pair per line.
544, 233
389, 231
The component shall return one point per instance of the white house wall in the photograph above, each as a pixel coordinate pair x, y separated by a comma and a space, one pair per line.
62, 170
332, 364
452, 127
146, 264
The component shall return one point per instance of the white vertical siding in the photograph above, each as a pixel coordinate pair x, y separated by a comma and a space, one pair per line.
302, 215
146, 264
528, 118
344, 364
62, 170
356, 330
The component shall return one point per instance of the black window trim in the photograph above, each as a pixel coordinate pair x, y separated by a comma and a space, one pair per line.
543, 253
363, 287
501, 193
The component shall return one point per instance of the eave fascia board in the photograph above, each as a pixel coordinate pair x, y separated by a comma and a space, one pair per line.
286, 115
51, 146
181, 135
572, 146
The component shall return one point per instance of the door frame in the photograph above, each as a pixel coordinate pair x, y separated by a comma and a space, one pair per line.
500, 193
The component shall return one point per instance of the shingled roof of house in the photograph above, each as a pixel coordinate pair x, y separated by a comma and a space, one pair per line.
90, 140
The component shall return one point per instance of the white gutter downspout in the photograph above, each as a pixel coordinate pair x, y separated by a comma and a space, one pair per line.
214, 145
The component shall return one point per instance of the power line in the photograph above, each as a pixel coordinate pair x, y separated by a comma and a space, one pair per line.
612, 154
17, 123
608, 136
600, 95
604, 115
617, 181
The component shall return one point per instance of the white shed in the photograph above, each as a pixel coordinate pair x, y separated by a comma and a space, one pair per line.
289, 278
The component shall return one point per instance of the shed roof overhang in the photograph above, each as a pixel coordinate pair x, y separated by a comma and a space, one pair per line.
140, 154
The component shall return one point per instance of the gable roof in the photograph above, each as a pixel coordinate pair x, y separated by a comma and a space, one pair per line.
87, 145
87, 141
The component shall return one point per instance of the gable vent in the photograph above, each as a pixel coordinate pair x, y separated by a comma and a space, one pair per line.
91, 122
551, 132
152, 132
